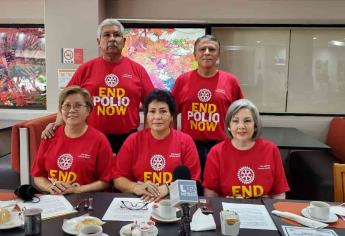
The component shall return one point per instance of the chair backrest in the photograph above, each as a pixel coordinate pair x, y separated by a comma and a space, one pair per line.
339, 182
336, 138
35, 127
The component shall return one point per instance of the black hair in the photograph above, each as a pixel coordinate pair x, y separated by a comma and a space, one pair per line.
160, 95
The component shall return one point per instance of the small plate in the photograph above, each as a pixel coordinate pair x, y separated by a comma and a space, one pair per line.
69, 226
157, 217
15, 221
332, 217
339, 210
155, 233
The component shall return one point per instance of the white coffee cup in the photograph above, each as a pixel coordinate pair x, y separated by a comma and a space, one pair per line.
147, 228
165, 210
319, 210
91, 230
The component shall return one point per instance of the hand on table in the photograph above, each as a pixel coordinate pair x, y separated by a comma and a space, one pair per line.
60, 187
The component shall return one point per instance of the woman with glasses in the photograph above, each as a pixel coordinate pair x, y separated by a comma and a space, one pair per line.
147, 159
244, 165
79, 157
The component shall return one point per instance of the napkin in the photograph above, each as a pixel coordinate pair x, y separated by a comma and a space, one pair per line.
202, 222
300, 219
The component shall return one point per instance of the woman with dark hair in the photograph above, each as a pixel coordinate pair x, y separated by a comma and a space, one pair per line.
147, 159
244, 165
79, 157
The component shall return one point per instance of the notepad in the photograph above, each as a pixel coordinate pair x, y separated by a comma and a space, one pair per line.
51, 205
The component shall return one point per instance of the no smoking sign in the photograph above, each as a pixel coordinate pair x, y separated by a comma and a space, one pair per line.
72, 55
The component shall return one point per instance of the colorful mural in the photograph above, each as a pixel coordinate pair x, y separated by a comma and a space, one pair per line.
22, 68
165, 53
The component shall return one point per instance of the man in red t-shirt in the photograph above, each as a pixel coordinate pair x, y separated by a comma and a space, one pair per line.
204, 95
117, 85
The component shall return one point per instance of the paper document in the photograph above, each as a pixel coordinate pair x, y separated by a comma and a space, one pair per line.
304, 231
7, 203
51, 205
252, 216
118, 212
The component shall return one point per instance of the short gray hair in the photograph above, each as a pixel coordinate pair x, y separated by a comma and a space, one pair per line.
208, 37
106, 22
238, 105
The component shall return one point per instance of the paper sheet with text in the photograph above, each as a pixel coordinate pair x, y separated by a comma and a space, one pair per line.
252, 216
52, 206
117, 213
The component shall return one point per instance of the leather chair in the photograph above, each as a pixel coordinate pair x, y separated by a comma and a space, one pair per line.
311, 171
25, 140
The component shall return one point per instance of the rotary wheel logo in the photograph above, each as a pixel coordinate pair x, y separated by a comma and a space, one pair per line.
111, 80
246, 175
65, 161
204, 95
157, 162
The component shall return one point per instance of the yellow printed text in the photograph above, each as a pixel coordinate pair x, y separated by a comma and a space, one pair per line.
157, 177
109, 111
65, 176
111, 92
249, 191
202, 125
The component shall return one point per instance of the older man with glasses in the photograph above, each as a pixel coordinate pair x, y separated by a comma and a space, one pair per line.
116, 83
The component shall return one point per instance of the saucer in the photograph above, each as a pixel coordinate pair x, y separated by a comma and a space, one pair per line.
157, 217
155, 229
69, 226
339, 210
15, 221
332, 217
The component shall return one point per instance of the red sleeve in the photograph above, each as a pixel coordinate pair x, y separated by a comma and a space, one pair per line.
38, 169
77, 76
146, 84
280, 184
237, 90
124, 159
190, 157
105, 160
174, 91
212, 170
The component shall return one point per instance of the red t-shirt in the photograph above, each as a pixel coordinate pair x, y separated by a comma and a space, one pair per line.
251, 173
143, 158
82, 160
117, 89
203, 103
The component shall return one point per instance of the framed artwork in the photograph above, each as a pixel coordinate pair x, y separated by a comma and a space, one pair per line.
165, 51
22, 67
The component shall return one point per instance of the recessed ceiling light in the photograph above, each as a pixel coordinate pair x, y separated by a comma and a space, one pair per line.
258, 41
314, 37
336, 43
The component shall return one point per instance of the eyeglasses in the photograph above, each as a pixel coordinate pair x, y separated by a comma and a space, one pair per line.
75, 106
134, 205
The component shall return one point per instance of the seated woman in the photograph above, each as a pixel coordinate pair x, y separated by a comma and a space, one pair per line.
79, 157
148, 158
244, 165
